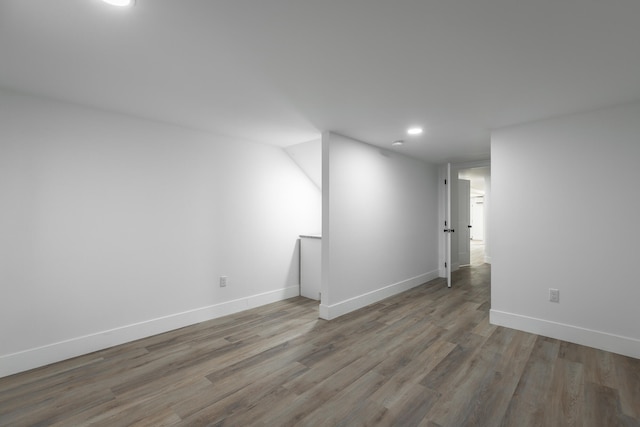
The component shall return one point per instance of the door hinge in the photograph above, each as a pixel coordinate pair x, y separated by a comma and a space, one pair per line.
445, 182
445, 223
445, 265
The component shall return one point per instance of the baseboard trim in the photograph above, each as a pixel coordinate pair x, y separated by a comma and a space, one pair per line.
40, 356
575, 334
487, 259
329, 312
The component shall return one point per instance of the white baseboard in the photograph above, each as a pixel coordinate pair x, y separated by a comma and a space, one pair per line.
591, 338
56, 352
329, 312
487, 259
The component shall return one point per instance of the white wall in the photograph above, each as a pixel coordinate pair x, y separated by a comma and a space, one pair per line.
565, 209
114, 228
488, 211
308, 156
380, 222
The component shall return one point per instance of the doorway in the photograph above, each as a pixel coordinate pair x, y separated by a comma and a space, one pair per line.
472, 215
476, 237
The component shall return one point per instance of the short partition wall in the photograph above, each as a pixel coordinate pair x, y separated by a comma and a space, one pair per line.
380, 222
329, 312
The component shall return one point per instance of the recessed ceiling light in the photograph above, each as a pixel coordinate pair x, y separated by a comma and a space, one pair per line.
397, 143
120, 3
414, 131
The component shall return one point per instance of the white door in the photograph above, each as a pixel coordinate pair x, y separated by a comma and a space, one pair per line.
464, 222
447, 224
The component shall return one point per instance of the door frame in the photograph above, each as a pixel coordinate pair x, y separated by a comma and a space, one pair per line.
444, 203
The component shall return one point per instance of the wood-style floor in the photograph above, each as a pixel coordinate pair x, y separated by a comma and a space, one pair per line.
427, 357
477, 252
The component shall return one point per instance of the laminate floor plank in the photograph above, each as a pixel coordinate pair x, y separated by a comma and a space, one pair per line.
366, 413
567, 406
504, 354
340, 407
426, 357
412, 373
598, 364
56, 408
246, 396
455, 365
461, 392
628, 384
409, 350
527, 407
291, 411
256, 413
411, 405
103, 413
603, 407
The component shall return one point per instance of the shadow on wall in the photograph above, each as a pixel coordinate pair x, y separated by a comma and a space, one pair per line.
293, 276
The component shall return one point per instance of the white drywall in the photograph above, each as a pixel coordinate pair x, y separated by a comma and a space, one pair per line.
487, 223
564, 213
115, 228
380, 217
308, 156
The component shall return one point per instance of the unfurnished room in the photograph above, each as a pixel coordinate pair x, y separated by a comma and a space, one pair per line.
319, 213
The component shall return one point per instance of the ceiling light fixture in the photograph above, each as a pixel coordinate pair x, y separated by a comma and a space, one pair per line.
397, 143
120, 3
414, 131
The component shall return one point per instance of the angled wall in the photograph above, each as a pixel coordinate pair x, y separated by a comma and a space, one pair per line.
115, 228
308, 156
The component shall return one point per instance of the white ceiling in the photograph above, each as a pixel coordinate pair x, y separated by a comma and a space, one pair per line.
281, 71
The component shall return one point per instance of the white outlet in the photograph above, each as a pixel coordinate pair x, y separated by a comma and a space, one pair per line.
223, 281
554, 295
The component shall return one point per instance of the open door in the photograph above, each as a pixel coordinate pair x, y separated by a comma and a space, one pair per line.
448, 230
464, 222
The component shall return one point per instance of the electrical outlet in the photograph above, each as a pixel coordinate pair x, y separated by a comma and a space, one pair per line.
223, 281
554, 295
